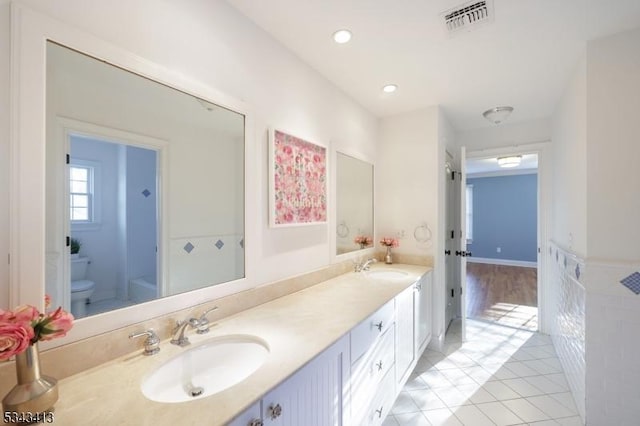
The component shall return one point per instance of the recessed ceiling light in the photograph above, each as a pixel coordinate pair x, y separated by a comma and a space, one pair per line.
342, 36
390, 88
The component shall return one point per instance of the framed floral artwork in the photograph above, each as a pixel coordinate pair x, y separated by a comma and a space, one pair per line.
297, 180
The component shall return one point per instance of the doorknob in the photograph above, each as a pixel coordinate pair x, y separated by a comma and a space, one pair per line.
447, 252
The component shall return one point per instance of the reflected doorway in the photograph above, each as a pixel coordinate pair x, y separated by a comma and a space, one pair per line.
113, 224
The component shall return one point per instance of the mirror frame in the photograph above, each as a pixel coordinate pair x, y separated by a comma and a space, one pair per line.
368, 252
30, 31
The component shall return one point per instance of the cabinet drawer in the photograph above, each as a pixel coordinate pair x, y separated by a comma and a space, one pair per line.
382, 401
365, 334
370, 369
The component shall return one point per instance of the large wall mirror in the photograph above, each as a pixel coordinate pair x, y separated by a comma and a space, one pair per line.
144, 187
354, 204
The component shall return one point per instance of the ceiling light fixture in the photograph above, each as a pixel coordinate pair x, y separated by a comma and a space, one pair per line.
498, 114
342, 36
390, 88
511, 161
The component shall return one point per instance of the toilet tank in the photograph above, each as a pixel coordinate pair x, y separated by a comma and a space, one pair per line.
79, 268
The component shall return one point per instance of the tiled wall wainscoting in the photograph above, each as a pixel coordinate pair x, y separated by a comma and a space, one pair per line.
612, 344
567, 275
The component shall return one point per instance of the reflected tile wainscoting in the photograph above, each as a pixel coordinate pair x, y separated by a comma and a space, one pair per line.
499, 376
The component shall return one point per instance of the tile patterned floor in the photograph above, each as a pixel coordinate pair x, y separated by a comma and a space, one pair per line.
500, 376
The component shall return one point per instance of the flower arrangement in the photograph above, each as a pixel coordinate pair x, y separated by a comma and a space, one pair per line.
389, 242
26, 326
363, 240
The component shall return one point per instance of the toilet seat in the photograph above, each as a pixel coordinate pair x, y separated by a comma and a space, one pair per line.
81, 285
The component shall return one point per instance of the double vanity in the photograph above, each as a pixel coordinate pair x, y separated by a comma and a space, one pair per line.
336, 353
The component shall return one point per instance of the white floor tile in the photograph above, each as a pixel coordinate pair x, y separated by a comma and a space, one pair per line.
570, 421
412, 419
525, 410
550, 406
544, 423
458, 377
404, 404
478, 374
442, 417
390, 421
499, 414
500, 391
523, 387
435, 379
566, 399
476, 394
544, 384
522, 368
471, 415
559, 379
452, 397
544, 366
426, 399
415, 383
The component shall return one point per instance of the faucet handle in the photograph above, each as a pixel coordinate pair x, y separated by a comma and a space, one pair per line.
151, 343
202, 324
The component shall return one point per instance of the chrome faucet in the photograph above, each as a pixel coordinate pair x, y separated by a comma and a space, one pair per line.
178, 333
201, 325
364, 266
151, 343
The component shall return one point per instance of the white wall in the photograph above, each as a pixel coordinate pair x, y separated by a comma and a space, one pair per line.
570, 165
406, 181
505, 134
613, 230
5, 40
569, 232
211, 42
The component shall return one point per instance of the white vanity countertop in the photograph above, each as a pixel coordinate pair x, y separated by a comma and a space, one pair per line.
297, 328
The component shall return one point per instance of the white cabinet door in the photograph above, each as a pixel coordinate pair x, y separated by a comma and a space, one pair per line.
423, 310
405, 352
250, 417
314, 395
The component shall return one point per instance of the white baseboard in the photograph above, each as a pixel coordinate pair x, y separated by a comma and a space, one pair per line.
504, 262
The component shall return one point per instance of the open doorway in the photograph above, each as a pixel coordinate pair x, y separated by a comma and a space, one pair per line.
502, 240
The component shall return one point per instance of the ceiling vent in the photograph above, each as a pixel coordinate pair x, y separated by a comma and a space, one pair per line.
468, 16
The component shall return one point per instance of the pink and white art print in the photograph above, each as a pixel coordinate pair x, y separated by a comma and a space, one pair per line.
298, 177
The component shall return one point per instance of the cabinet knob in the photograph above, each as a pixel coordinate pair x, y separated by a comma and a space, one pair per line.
274, 411
418, 287
256, 422
379, 412
379, 326
379, 365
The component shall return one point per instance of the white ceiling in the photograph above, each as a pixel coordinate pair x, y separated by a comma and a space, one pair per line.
474, 166
524, 58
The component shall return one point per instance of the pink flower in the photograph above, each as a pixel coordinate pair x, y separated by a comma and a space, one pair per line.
56, 324
25, 314
14, 339
389, 242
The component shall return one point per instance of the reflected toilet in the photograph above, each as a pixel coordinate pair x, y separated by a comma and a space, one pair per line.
81, 289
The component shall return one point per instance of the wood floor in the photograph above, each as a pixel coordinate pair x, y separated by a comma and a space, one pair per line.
507, 295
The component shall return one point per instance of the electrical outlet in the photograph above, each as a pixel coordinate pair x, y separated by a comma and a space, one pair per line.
498, 249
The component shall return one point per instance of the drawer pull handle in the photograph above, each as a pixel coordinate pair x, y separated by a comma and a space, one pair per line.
379, 412
379, 365
379, 326
256, 422
274, 411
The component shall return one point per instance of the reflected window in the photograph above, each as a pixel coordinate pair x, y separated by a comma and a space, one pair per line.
82, 196
469, 203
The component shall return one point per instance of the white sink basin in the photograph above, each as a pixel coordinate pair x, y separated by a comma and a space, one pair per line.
387, 274
206, 369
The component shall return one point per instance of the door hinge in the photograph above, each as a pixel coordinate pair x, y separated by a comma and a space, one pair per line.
452, 293
452, 234
68, 159
68, 241
461, 291
453, 175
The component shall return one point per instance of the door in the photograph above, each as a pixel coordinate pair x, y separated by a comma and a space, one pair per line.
462, 251
450, 246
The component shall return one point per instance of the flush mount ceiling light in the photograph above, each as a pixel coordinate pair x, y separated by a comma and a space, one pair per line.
342, 36
498, 114
390, 88
511, 161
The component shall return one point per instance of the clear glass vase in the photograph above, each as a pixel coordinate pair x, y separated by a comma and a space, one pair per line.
387, 258
34, 393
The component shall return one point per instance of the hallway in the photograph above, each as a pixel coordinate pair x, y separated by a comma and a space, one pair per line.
500, 376
506, 295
